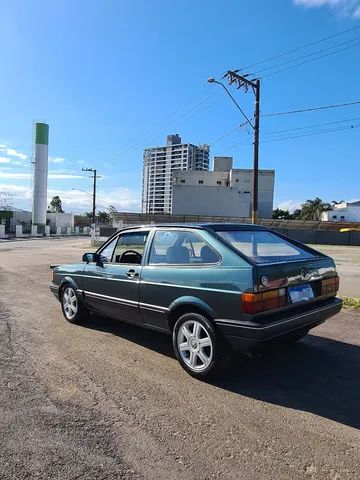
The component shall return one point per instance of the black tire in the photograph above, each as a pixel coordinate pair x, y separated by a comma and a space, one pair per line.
217, 353
75, 311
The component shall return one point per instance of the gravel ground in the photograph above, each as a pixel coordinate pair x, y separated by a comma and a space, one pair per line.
109, 401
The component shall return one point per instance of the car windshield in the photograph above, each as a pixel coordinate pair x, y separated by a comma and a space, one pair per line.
263, 246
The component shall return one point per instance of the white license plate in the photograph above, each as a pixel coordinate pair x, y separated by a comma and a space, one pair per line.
301, 293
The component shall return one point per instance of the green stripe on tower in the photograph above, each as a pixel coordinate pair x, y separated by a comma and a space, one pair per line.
42, 133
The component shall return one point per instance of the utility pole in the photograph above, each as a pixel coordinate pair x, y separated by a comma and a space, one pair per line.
94, 193
242, 82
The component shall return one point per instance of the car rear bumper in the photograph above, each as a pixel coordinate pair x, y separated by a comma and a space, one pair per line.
247, 336
55, 290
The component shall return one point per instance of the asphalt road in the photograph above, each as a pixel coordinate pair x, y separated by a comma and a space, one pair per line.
109, 401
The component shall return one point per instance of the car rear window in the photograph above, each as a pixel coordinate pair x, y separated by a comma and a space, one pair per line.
264, 247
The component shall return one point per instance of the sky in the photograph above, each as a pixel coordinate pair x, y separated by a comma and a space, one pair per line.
114, 77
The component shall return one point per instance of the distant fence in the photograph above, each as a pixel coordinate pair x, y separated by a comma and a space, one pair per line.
322, 237
327, 233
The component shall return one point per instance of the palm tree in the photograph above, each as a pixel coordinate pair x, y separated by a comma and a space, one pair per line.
103, 217
312, 209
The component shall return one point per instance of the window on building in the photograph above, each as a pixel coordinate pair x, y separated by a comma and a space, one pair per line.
237, 180
334, 216
201, 181
219, 182
342, 217
182, 181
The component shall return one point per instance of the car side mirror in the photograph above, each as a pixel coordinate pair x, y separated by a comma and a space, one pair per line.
96, 258
91, 257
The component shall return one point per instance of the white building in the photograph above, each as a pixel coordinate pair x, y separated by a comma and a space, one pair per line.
226, 191
159, 165
343, 212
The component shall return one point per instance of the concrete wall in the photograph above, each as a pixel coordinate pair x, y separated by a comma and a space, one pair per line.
60, 220
222, 193
322, 237
192, 200
219, 201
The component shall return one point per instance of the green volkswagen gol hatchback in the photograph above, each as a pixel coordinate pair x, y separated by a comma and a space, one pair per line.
216, 288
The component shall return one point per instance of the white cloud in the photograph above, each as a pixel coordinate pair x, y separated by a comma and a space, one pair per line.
57, 160
17, 192
14, 153
346, 7
5, 160
290, 205
76, 200
26, 176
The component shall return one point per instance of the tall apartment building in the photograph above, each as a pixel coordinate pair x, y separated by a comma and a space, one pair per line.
159, 165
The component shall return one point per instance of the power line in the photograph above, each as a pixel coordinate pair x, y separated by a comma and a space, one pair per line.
312, 109
311, 60
306, 56
275, 132
299, 135
130, 144
308, 134
301, 47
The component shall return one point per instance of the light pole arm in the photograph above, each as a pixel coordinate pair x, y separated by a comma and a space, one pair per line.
238, 106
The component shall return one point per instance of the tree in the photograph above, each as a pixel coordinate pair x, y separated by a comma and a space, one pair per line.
104, 217
112, 209
281, 214
296, 215
312, 209
87, 215
56, 205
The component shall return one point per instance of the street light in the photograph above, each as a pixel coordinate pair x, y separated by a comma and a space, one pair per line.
212, 80
241, 81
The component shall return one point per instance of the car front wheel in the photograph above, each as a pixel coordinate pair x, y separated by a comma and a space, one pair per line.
199, 349
72, 307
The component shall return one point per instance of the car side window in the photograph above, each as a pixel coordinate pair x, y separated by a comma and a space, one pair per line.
181, 248
108, 251
130, 248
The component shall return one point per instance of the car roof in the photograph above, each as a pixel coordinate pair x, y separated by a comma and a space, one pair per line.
204, 226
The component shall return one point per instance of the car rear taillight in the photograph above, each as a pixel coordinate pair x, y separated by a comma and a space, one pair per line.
330, 285
259, 302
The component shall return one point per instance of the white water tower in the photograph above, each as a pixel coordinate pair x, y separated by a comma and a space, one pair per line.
40, 174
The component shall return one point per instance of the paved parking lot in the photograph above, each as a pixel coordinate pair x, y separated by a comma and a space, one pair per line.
347, 261
109, 401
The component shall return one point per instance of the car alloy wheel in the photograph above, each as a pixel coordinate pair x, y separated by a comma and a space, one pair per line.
194, 345
70, 303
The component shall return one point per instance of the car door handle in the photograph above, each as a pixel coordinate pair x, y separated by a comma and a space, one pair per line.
132, 273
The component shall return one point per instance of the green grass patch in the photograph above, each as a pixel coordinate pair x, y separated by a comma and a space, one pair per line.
351, 302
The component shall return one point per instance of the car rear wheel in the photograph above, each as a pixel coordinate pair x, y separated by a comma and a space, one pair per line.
72, 307
199, 348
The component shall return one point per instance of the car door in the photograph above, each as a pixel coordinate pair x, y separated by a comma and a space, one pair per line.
180, 264
112, 287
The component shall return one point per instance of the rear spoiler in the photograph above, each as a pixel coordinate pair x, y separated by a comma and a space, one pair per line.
53, 266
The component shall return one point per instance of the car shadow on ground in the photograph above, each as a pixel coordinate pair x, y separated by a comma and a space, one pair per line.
317, 374
156, 341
